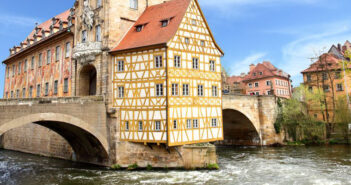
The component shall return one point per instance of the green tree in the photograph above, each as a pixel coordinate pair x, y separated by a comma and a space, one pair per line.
343, 116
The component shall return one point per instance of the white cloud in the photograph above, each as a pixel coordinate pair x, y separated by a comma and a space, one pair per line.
238, 67
296, 54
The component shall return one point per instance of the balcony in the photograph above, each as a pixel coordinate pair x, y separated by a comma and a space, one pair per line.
86, 52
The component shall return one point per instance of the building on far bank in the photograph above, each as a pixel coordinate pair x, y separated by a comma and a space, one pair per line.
234, 85
266, 79
327, 75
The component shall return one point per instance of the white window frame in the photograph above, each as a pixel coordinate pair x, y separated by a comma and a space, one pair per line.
98, 33
127, 125
68, 49
214, 122
214, 91
58, 53
177, 61
120, 91
48, 57
200, 90
158, 61
32, 63
55, 87
175, 124
47, 89
257, 84
159, 89
195, 63
120, 66
140, 126
188, 123
65, 85
175, 89
185, 89
195, 123
157, 125
212, 65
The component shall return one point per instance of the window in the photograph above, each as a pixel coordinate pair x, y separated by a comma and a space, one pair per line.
134, 4
65, 85
7, 95
140, 126
185, 89
58, 53
214, 91
24, 93
315, 116
164, 23
309, 78
158, 61
46, 89
32, 63
127, 125
250, 85
254, 74
120, 92
268, 83
193, 22
195, 63
98, 3
212, 65
157, 125
55, 87
31, 92
326, 88
339, 87
25, 65
200, 90
38, 90
186, 40
256, 84
8, 72
98, 33
17, 93
195, 123
269, 92
139, 28
40, 59
19, 67
84, 36
325, 76
175, 89
11, 94
177, 61
48, 57
120, 66
159, 89
310, 88
202, 43
188, 123
175, 124
68, 49
337, 75
214, 122
257, 93
261, 73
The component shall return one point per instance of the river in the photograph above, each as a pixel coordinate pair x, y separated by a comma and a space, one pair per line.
248, 165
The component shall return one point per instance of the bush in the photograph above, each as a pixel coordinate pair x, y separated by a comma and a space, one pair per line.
213, 166
149, 167
116, 167
133, 166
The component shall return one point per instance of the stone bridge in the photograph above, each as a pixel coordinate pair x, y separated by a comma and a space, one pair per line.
82, 122
249, 120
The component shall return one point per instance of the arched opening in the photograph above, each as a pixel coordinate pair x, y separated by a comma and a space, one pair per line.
87, 81
239, 130
88, 147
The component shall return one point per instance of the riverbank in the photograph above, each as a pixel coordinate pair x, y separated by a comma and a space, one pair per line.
240, 165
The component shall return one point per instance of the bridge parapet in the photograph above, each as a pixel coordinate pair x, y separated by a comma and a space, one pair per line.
58, 100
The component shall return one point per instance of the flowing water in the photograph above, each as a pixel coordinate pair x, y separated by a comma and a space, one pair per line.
264, 166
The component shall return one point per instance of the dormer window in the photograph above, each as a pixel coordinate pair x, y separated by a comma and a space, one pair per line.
193, 22
61, 25
139, 28
43, 33
164, 23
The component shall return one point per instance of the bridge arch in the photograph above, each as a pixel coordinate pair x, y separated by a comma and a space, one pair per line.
240, 128
90, 146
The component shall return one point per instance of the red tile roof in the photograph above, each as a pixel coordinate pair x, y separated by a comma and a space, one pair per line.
153, 33
327, 59
232, 79
267, 69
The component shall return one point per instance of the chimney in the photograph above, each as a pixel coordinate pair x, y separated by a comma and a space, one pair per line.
252, 66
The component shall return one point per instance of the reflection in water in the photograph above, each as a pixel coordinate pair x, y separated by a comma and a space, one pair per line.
288, 165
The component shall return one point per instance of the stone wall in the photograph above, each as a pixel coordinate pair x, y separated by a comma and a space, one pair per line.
36, 139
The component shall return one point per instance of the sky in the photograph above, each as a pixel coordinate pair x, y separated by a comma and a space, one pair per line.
286, 32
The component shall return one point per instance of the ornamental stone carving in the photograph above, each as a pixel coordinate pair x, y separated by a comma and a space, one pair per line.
86, 52
87, 16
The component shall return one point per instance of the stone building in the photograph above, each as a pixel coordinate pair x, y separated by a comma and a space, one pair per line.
327, 75
155, 62
265, 79
234, 85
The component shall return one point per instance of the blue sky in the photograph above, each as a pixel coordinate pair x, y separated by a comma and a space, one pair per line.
285, 32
